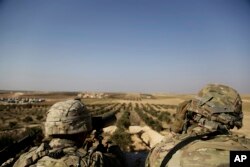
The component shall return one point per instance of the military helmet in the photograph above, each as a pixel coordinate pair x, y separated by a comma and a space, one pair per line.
67, 117
219, 104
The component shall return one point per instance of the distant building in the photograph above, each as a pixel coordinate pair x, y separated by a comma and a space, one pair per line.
92, 95
22, 100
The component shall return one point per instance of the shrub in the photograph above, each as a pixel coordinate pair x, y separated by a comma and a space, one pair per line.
164, 116
28, 119
124, 121
12, 124
2, 107
39, 117
33, 130
121, 138
154, 124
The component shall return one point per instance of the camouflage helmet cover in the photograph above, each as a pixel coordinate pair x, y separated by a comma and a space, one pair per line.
67, 117
219, 103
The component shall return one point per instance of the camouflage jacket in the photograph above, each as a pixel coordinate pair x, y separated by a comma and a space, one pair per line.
197, 150
62, 152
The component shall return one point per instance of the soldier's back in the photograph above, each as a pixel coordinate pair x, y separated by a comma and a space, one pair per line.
68, 156
196, 151
42, 157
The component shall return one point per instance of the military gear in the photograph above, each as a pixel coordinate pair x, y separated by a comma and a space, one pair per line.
63, 152
68, 117
210, 150
180, 117
33, 137
204, 123
67, 123
217, 107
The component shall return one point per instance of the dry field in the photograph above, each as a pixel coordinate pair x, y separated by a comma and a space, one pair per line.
142, 119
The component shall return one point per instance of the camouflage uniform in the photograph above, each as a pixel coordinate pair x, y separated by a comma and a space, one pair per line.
66, 120
204, 123
63, 152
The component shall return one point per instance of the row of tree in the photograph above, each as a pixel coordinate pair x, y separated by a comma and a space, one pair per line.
121, 135
154, 124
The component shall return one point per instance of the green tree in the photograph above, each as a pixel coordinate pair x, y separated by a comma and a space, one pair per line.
122, 138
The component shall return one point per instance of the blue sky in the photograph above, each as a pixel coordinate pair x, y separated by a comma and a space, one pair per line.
128, 46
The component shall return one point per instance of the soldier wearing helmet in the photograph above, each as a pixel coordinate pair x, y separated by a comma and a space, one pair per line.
66, 127
201, 129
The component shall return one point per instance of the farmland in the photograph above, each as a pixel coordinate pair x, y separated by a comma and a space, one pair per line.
142, 119
142, 110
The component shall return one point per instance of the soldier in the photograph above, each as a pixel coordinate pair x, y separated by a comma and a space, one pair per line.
67, 125
202, 136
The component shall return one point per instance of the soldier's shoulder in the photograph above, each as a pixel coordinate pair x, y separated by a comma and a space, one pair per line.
41, 156
160, 150
25, 158
68, 160
212, 151
184, 150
